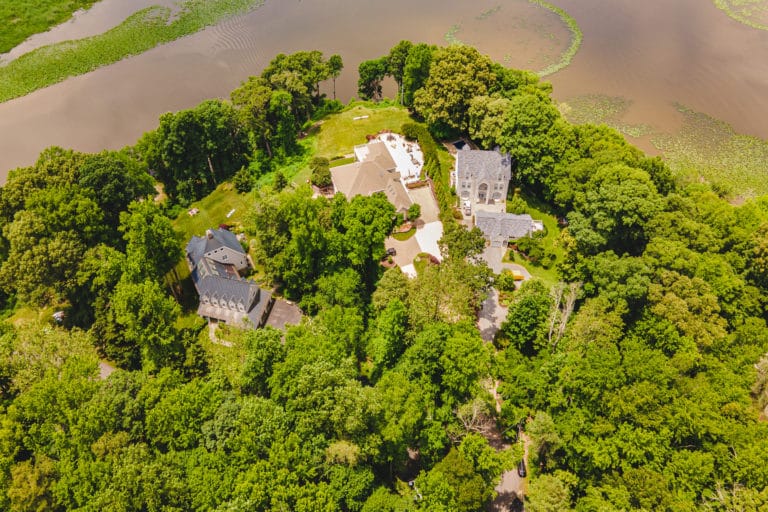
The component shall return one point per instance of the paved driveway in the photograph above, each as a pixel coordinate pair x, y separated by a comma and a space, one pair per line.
406, 250
492, 315
429, 209
427, 236
493, 257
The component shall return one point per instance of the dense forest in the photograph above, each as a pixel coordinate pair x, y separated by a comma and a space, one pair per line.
640, 380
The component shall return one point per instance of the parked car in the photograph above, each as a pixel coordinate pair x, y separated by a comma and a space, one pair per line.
521, 469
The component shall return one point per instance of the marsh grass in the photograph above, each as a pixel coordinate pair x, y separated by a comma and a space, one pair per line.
488, 13
23, 18
576, 38
602, 109
705, 149
451, 37
709, 149
753, 13
140, 32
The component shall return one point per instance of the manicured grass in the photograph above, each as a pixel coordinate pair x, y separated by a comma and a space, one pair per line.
140, 32
340, 133
548, 276
342, 161
710, 149
23, 18
213, 211
402, 237
551, 242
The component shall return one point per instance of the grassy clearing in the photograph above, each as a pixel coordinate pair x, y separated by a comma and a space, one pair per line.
228, 360
140, 32
540, 212
709, 149
213, 210
576, 38
295, 169
23, 18
29, 314
340, 133
753, 13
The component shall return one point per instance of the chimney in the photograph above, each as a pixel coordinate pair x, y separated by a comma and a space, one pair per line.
209, 234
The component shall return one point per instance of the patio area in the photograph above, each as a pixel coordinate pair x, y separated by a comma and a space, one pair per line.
407, 155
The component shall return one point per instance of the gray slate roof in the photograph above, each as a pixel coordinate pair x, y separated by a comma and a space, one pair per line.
483, 165
506, 226
200, 246
224, 295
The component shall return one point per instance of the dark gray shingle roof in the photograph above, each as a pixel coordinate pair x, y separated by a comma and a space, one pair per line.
213, 239
224, 295
483, 165
508, 226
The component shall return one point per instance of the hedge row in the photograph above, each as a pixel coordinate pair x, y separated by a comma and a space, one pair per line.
440, 177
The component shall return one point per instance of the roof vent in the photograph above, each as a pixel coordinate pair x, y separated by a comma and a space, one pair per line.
209, 233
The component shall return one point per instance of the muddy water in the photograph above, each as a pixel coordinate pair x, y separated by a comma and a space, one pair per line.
100, 17
654, 53
659, 52
113, 106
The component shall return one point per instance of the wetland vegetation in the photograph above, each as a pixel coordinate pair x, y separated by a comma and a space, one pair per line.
140, 32
23, 18
753, 13
704, 148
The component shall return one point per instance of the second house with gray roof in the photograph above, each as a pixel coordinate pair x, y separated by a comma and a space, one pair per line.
216, 261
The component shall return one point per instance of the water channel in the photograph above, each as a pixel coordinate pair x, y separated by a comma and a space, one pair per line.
654, 54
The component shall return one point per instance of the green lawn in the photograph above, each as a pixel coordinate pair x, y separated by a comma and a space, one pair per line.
402, 237
213, 211
551, 242
342, 161
296, 168
340, 133
23, 18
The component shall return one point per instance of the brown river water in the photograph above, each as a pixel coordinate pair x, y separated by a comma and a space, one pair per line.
653, 53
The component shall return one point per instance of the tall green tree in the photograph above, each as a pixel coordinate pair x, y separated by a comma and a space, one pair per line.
153, 246
372, 73
116, 180
457, 74
416, 70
